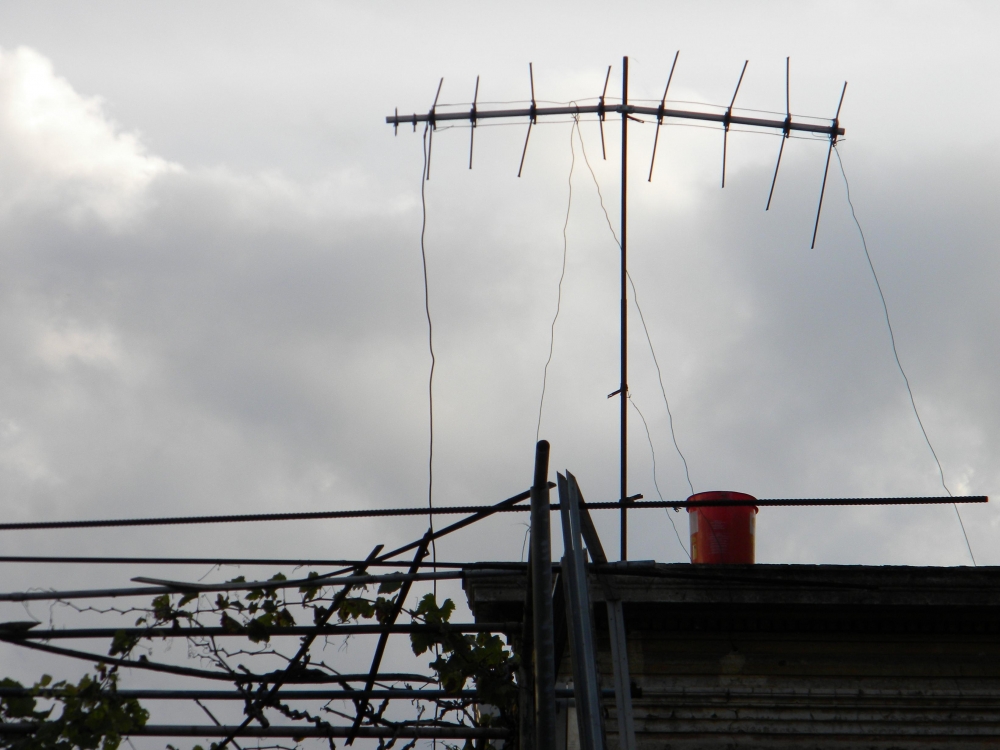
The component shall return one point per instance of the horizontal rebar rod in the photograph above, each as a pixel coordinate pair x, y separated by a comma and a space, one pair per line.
293, 630
276, 561
803, 502
634, 503
286, 695
473, 115
253, 517
456, 732
310, 676
233, 695
178, 587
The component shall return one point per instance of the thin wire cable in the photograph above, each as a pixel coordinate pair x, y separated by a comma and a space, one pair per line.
430, 382
659, 375
430, 347
895, 354
635, 298
652, 452
562, 276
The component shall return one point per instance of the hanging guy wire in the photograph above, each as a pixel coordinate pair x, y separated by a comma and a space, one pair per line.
895, 354
635, 299
430, 337
652, 452
659, 376
562, 275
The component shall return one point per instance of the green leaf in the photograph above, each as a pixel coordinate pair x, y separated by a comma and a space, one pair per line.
123, 643
431, 613
187, 598
389, 587
355, 608
229, 624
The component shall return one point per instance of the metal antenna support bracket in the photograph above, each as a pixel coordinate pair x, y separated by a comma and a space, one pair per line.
659, 115
834, 132
727, 118
432, 126
532, 116
601, 112
787, 131
472, 119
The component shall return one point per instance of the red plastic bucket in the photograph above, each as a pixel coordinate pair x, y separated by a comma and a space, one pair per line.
722, 534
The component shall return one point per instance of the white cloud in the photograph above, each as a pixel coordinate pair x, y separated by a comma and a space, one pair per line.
62, 151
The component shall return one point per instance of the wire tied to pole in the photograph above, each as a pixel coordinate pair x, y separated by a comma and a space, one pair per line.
642, 319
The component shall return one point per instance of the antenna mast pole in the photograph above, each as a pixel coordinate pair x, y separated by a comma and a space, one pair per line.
623, 393
784, 127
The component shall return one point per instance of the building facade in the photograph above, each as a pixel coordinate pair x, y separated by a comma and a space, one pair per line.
791, 656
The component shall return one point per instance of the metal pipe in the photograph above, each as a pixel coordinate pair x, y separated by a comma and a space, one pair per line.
175, 587
271, 561
309, 676
541, 592
232, 695
180, 520
623, 388
488, 511
583, 651
481, 511
294, 630
456, 731
383, 640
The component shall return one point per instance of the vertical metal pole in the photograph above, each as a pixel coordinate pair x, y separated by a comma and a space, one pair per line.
619, 660
616, 622
586, 682
541, 594
624, 317
526, 669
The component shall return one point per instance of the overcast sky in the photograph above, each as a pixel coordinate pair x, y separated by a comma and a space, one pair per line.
211, 297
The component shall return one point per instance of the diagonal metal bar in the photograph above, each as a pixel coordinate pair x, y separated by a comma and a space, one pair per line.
246, 518
531, 117
472, 118
432, 126
600, 112
500, 507
616, 627
524, 151
788, 119
253, 708
659, 117
826, 169
578, 610
726, 121
774, 179
214, 720
363, 703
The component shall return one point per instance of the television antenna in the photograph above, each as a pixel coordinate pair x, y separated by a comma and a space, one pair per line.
628, 112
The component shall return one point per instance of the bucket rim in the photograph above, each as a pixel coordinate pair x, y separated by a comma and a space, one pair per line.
701, 497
